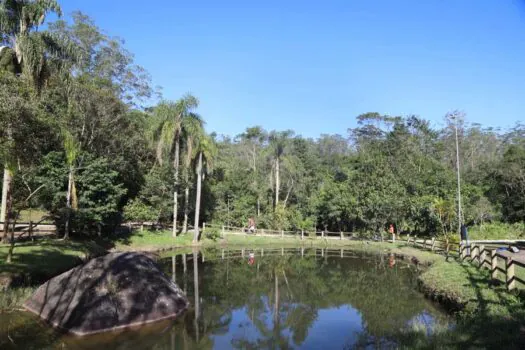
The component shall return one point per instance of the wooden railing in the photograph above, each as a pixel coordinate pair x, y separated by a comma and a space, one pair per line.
485, 254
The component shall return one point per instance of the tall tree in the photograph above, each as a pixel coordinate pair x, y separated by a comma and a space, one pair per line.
192, 128
206, 153
168, 126
253, 138
34, 53
71, 147
278, 143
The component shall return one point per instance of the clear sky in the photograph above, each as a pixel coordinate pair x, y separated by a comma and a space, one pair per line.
313, 66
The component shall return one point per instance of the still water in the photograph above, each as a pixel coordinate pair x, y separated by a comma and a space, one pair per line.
275, 298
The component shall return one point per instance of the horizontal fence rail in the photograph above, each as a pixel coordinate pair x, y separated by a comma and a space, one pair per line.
504, 265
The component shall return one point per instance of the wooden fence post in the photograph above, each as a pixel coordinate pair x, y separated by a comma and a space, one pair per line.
223, 230
342, 253
424, 243
415, 240
262, 251
302, 234
482, 254
462, 250
31, 229
282, 233
494, 263
408, 238
322, 234
509, 267
433, 243
302, 252
473, 248
341, 235
222, 254
242, 252
447, 247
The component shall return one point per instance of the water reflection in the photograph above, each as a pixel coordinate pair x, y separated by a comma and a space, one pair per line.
274, 298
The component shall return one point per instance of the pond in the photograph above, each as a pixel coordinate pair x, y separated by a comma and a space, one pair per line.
268, 298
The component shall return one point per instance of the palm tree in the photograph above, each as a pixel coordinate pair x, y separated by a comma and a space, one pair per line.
33, 52
168, 126
206, 153
192, 128
72, 149
278, 142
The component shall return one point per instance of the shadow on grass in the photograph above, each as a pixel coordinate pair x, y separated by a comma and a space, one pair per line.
35, 262
492, 318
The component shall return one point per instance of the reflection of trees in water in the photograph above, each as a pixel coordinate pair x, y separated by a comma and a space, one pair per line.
283, 294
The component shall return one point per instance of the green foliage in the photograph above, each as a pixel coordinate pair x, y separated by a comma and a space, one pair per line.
98, 188
212, 233
138, 211
497, 230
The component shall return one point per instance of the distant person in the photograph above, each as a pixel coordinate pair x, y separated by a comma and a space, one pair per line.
464, 237
392, 232
251, 259
251, 225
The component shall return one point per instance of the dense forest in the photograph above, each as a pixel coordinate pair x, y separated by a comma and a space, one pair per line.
81, 139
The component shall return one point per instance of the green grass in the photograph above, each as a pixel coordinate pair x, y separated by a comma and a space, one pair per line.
156, 240
35, 261
13, 298
497, 231
488, 316
34, 215
150, 240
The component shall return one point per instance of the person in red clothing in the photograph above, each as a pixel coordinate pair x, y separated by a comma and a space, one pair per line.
251, 225
392, 232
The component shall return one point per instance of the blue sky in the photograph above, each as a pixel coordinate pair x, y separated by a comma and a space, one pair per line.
313, 66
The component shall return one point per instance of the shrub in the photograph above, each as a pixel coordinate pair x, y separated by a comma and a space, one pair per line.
212, 233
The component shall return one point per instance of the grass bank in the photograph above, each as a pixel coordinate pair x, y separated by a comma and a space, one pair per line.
160, 240
35, 262
487, 315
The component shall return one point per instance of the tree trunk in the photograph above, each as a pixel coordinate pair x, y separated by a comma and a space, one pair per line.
6, 193
186, 206
69, 195
198, 198
277, 182
176, 183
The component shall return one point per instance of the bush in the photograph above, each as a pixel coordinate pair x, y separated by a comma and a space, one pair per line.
212, 233
136, 210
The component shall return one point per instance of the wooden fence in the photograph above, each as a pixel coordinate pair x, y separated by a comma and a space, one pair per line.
485, 254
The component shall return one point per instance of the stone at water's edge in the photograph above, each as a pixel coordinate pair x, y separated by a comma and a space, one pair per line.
115, 291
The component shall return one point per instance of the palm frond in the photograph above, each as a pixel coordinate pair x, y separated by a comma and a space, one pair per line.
71, 147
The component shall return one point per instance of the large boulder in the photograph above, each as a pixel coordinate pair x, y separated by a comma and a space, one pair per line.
115, 291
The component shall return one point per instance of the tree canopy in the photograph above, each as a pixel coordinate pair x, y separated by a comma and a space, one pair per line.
79, 121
